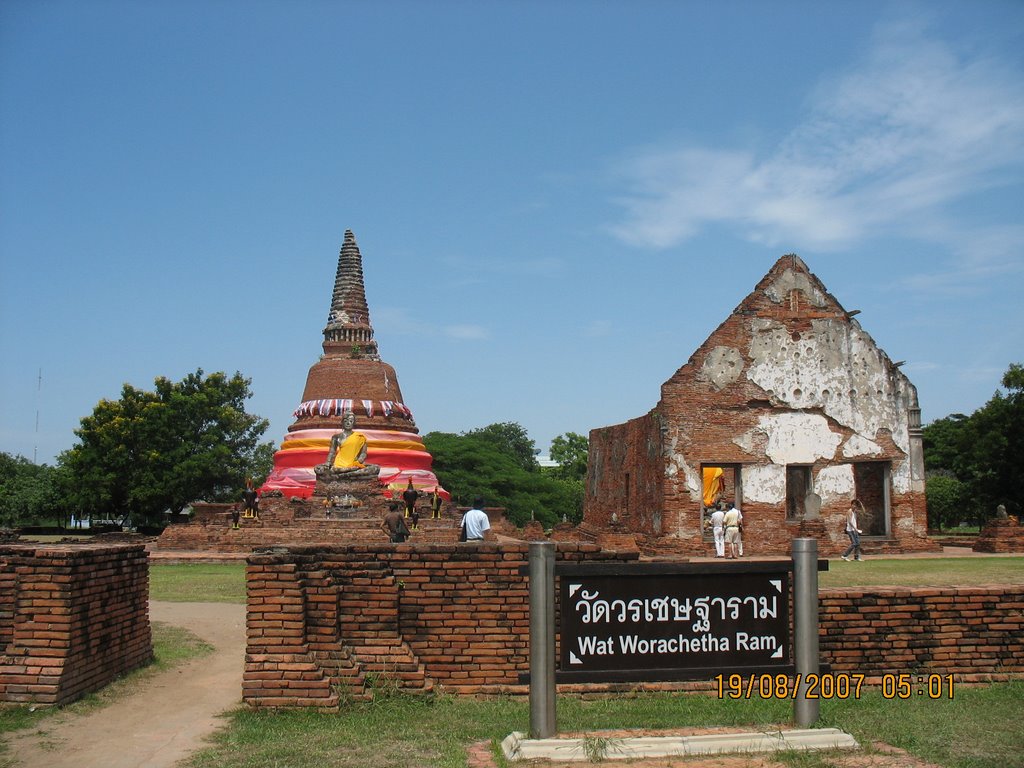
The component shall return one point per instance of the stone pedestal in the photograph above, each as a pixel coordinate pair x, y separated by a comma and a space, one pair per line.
1001, 535
355, 493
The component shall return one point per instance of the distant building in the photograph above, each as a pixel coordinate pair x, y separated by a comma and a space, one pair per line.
787, 402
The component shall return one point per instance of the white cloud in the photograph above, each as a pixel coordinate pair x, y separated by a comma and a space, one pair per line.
397, 321
884, 149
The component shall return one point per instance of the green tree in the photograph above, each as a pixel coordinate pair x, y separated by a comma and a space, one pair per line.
570, 451
984, 451
948, 500
29, 493
511, 439
492, 462
153, 451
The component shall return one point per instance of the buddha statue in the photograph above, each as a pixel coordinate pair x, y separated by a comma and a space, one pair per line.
347, 454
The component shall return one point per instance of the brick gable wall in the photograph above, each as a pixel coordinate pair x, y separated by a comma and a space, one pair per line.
789, 378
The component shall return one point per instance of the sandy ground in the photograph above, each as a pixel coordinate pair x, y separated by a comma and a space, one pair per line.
166, 719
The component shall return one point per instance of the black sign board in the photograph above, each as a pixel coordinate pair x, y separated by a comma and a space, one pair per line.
651, 622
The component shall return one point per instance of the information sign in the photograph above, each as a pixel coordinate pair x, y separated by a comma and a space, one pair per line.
642, 622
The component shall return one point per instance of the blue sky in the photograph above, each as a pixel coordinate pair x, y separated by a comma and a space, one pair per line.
556, 202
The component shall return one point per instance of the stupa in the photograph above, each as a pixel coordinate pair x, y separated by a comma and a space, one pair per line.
350, 376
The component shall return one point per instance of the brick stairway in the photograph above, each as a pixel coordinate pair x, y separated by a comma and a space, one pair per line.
368, 611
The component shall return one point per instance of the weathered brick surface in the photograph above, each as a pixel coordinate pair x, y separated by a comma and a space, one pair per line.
1001, 536
457, 617
284, 521
788, 379
454, 616
72, 619
976, 633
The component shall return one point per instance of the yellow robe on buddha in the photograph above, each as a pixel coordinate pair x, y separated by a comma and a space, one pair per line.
348, 452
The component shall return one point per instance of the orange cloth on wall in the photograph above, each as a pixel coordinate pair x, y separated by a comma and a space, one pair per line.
714, 484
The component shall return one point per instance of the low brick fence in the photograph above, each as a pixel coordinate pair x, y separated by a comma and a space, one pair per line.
329, 624
325, 624
975, 633
72, 619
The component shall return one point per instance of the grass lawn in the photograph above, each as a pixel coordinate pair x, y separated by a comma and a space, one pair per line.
198, 583
980, 728
924, 571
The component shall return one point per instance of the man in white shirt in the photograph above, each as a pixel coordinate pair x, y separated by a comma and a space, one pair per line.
739, 522
476, 522
718, 530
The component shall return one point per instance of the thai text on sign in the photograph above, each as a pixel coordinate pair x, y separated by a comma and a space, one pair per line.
673, 621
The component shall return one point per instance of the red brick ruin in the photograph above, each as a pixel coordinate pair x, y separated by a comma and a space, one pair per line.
792, 400
327, 624
73, 618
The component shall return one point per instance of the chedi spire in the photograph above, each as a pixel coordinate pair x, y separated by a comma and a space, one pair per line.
348, 331
351, 377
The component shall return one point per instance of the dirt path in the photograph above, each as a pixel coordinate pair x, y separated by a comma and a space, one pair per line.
162, 722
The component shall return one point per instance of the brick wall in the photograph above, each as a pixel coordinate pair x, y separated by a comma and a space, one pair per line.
72, 619
1001, 535
326, 624
976, 633
624, 477
339, 619
283, 521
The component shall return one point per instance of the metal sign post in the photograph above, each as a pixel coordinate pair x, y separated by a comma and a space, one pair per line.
542, 640
805, 628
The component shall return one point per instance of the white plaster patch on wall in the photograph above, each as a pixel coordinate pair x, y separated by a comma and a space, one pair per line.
673, 459
694, 484
905, 526
677, 465
798, 438
789, 280
835, 482
746, 441
835, 366
900, 473
722, 366
860, 446
764, 484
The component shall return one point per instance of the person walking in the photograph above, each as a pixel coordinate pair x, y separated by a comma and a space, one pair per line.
718, 529
853, 531
731, 506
